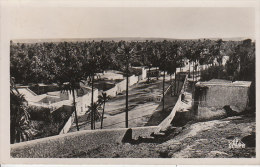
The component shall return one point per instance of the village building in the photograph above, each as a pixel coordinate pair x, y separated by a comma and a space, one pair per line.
214, 97
57, 99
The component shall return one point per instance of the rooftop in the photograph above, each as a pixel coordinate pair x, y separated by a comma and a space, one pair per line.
218, 82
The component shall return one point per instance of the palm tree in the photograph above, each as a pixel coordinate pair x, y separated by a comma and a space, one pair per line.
125, 51
179, 60
188, 56
69, 71
93, 112
148, 54
20, 125
164, 55
93, 58
195, 53
71, 87
171, 64
103, 98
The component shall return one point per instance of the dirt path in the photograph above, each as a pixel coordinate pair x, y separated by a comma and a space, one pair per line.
142, 105
138, 95
136, 118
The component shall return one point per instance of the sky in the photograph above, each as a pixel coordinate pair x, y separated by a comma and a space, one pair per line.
104, 22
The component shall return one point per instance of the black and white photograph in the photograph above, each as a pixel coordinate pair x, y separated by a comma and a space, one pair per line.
162, 82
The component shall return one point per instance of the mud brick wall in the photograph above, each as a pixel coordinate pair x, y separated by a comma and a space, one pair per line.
57, 146
219, 95
167, 121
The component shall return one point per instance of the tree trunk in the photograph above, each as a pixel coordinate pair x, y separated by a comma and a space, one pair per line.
189, 69
74, 106
149, 74
157, 72
193, 70
102, 118
179, 80
163, 88
171, 83
175, 81
92, 104
196, 71
126, 97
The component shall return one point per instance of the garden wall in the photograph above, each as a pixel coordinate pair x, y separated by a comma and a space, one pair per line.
112, 75
133, 80
121, 86
111, 92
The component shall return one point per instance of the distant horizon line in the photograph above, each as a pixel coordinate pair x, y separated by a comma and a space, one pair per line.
121, 38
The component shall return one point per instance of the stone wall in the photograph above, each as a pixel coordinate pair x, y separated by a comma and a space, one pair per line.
218, 94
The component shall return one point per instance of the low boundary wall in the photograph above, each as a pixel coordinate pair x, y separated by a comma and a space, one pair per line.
121, 86
167, 121
56, 146
67, 126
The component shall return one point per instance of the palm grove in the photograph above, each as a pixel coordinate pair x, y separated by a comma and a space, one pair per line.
68, 64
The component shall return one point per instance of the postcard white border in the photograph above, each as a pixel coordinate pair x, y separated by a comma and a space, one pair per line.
4, 76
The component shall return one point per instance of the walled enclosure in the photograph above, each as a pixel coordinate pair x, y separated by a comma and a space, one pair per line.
211, 97
121, 86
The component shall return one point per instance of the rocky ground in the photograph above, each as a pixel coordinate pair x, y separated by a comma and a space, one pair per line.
208, 139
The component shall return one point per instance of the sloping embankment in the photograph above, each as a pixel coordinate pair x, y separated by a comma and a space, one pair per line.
195, 140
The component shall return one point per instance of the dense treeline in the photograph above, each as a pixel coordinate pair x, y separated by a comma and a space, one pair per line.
44, 62
69, 63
